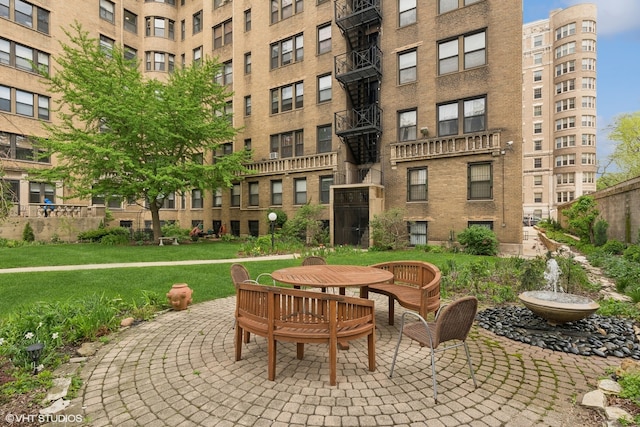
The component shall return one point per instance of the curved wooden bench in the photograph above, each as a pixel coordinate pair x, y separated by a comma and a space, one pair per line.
283, 314
416, 286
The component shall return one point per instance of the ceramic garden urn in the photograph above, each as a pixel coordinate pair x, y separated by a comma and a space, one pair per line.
180, 296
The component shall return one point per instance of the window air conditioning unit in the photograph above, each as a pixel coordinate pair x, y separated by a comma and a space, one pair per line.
273, 156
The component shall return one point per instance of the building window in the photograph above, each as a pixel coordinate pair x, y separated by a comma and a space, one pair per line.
407, 63
217, 198
107, 45
565, 104
566, 160
324, 139
588, 159
537, 76
23, 13
537, 110
287, 98
39, 191
537, 197
537, 128
169, 201
448, 57
537, 163
474, 116
588, 45
247, 144
325, 188
196, 199
537, 180
565, 49
565, 67
537, 58
473, 46
24, 57
197, 54
276, 193
537, 41
5, 98
235, 195
4, 9
43, 107
283, 9
247, 63
566, 31
566, 123
588, 139
480, 181
588, 177
254, 194
417, 184
130, 21
588, 64
247, 105
223, 34
565, 196
300, 191
565, 178
588, 26
197, 22
537, 93
24, 103
566, 141
107, 10
18, 147
588, 83
159, 61
171, 2
224, 76
406, 12
160, 27
324, 38
287, 51
282, 144
324, 88
408, 125
589, 121
537, 145
247, 20
417, 233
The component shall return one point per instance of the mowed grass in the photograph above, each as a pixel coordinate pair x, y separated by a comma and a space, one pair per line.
208, 281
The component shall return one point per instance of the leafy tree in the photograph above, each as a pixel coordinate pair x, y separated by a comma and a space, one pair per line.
306, 225
626, 155
123, 135
582, 216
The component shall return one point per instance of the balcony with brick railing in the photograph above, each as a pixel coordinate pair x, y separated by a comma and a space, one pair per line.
448, 146
295, 164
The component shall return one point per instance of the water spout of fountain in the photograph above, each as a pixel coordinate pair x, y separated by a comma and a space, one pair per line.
552, 276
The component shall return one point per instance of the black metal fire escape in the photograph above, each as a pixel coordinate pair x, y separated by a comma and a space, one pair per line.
359, 71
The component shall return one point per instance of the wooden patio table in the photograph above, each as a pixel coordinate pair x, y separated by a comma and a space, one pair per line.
333, 276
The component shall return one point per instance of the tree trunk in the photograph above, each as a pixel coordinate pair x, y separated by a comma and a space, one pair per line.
155, 220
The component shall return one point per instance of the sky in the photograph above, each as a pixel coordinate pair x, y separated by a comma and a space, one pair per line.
618, 66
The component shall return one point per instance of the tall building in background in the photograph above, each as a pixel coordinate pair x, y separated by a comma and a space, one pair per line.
426, 118
559, 109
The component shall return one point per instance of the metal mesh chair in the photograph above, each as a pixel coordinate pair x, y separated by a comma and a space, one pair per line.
453, 322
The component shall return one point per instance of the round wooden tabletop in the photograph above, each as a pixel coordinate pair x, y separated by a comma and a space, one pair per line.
328, 276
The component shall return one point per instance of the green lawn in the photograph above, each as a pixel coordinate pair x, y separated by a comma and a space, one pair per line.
208, 281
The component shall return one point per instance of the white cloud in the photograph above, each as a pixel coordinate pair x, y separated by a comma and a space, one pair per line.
615, 16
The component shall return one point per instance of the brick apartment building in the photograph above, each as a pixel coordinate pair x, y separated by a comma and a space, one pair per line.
360, 105
559, 109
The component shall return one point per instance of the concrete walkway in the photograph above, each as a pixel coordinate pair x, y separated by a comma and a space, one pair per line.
180, 370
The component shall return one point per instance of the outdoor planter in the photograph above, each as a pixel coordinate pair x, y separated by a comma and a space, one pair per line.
180, 296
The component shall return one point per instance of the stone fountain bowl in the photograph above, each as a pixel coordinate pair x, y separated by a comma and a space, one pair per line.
558, 307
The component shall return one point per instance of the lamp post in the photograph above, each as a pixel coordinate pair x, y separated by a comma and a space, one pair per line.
34, 351
272, 217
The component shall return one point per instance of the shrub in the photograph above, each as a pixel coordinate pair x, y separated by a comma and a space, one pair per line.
614, 247
600, 232
120, 234
27, 233
479, 240
173, 230
632, 253
389, 230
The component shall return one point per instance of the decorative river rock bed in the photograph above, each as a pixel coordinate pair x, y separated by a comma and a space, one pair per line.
593, 336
